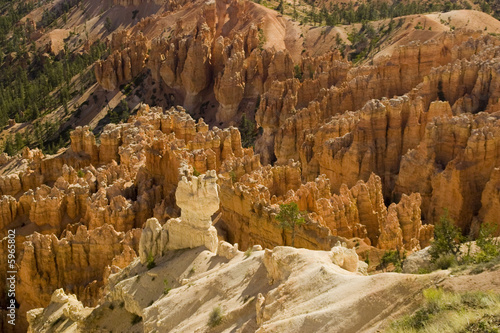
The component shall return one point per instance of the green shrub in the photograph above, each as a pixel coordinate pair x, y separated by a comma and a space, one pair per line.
248, 252
446, 261
290, 218
232, 174
475, 300
419, 319
195, 172
488, 323
80, 173
490, 248
248, 131
108, 24
216, 317
298, 72
262, 39
447, 238
423, 270
120, 113
392, 257
477, 270
151, 261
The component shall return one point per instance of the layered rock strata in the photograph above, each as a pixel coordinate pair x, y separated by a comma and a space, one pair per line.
250, 205
79, 262
382, 172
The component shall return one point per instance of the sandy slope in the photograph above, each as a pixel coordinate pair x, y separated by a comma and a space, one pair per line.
308, 294
435, 24
283, 290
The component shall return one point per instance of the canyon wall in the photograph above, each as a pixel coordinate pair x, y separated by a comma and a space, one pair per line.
374, 153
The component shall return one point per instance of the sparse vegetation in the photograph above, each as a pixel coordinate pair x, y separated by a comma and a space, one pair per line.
262, 39
445, 261
447, 248
166, 287
290, 218
248, 252
364, 41
491, 7
452, 312
332, 14
248, 132
45, 84
216, 317
135, 319
232, 174
108, 24
447, 238
281, 7
120, 113
393, 257
50, 17
150, 261
297, 72
490, 247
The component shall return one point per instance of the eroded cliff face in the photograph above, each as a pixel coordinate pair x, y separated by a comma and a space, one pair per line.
67, 208
388, 76
112, 188
70, 212
373, 152
445, 150
249, 207
79, 262
218, 55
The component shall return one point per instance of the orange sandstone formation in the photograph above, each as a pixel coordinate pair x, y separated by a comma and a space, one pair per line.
372, 152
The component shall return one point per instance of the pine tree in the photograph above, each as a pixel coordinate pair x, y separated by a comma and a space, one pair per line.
290, 218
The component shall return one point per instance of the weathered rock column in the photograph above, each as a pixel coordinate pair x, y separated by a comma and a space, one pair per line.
198, 198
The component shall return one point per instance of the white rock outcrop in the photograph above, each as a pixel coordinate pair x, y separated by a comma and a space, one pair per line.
198, 198
227, 250
345, 258
153, 240
62, 306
